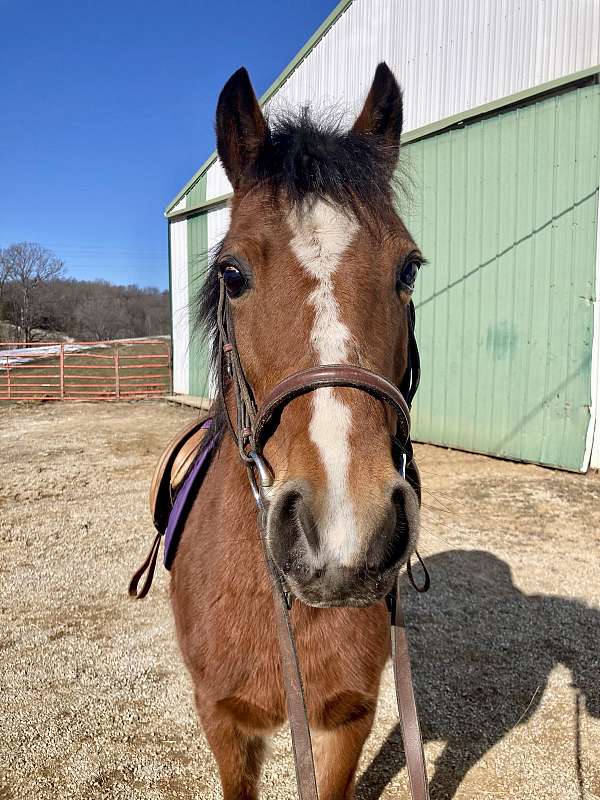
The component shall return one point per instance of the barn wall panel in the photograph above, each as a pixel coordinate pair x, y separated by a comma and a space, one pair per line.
506, 210
204, 232
197, 264
179, 303
449, 56
218, 223
593, 442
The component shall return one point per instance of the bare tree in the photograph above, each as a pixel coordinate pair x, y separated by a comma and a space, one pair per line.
30, 266
102, 317
5, 274
35, 294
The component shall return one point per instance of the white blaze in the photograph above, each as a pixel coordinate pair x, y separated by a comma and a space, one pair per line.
321, 236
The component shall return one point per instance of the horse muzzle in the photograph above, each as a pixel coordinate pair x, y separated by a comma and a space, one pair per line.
336, 567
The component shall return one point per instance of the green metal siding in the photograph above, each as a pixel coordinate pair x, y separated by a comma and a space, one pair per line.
197, 231
197, 193
506, 211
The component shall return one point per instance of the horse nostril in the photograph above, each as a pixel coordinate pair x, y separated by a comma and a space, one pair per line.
402, 526
292, 526
382, 551
395, 538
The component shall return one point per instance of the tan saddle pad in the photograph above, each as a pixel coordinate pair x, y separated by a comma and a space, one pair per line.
173, 465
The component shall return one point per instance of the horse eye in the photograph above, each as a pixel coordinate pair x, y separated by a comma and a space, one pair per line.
407, 274
235, 282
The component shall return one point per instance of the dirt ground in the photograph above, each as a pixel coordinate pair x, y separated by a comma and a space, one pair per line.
96, 704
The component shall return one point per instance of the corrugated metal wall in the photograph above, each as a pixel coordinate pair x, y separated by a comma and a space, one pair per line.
204, 232
197, 264
506, 210
593, 440
449, 55
178, 256
192, 242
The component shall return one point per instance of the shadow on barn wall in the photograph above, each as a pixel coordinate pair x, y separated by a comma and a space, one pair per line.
483, 651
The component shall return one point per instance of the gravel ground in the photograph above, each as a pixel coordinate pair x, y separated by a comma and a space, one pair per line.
96, 704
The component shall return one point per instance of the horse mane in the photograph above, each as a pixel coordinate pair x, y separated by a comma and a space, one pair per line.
205, 324
306, 159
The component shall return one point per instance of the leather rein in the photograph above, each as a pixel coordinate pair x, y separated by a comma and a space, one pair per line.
251, 430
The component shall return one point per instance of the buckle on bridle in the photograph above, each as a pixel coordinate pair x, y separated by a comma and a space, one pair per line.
402, 466
258, 466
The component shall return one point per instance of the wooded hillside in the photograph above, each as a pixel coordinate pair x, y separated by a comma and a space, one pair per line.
35, 296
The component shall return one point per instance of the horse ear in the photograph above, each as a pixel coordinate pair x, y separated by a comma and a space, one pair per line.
242, 131
381, 115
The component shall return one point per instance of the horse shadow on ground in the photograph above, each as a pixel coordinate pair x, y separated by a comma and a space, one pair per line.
482, 652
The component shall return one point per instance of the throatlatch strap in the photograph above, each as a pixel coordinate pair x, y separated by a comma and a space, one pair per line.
405, 696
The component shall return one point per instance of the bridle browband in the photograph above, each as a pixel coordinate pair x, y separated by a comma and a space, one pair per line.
253, 426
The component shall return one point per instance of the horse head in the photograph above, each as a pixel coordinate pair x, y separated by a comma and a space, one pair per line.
318, 268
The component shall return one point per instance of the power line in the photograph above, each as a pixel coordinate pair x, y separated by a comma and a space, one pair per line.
94, 249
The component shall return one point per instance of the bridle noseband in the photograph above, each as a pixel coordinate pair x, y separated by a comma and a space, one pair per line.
254, 425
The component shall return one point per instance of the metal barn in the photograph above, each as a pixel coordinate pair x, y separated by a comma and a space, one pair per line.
501, 141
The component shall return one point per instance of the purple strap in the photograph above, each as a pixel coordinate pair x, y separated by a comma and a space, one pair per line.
185, 497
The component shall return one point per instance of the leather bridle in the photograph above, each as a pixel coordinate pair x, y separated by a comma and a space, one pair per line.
252, 428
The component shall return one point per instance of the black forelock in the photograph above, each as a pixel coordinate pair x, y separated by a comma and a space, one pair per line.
306, 157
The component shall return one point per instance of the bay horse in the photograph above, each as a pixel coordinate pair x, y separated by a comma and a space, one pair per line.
317, 268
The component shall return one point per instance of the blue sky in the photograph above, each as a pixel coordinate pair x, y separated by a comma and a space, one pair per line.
106, 110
